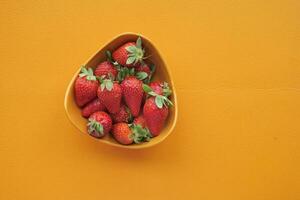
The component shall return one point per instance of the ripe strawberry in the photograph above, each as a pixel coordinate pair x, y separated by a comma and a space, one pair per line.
140, 120
161, 88
127, 134
92, 107
143, 68
123, 115
155, 117
110, 94
144, 73
86, 86
156, 108
99, 124
130, 53
122, 133
156, 87
104, 69
133, 94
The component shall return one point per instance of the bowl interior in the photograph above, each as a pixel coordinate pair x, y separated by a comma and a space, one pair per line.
161, 73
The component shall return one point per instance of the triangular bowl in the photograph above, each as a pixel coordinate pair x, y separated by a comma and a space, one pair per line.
162, 73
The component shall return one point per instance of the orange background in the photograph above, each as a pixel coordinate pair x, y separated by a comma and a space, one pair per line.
236, 67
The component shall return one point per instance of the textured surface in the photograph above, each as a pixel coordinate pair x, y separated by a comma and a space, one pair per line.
237, 135
121, 55
104, 69
155, 117
111, 99
122, 116
92, 107
85, 90
104, 119
133, 93
121, 133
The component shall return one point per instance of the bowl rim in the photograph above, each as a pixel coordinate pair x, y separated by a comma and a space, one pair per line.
137, 146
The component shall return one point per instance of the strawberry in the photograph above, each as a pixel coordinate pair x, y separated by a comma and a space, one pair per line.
104, 69
86, 86
122, 133
140, 120
110, 94
129, 54
161, 88
144, 72
99, 124
123, 115
127, 134
140, 130
155, 117
133, 94
155, 110
156, 87
92, 107
143, 68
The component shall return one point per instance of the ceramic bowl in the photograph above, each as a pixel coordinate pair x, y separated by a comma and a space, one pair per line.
162, 73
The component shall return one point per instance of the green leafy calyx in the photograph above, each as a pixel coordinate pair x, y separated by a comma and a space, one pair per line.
166, 89
123, 72
140, 134
160, 100
147, 88
141, 75
106, 84
135, 53
88, 73
95, 127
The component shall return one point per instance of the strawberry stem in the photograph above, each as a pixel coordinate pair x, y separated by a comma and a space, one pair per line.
135, 53
106, 84
139, 134
88, 73
95, 127
160, 100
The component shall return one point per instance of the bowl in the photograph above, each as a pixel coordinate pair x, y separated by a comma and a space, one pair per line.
162, 73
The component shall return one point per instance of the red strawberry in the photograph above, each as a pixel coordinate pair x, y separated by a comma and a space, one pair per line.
156, 87
110, 94
139, 130
143, 68
161, 88
156, 108
123, 115
85, 87
99, 124
140, 120
126, 134
122, 133
132, 89
129, 54
92, 107
105, 68
155, 117
143, 73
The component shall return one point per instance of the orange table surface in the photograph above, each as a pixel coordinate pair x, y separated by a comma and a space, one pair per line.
236, 68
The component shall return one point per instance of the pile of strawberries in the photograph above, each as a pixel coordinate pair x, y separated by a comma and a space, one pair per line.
118, 97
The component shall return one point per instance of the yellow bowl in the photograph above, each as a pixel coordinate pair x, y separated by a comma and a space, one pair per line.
162, 73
